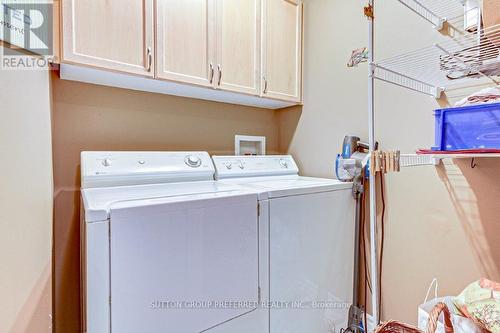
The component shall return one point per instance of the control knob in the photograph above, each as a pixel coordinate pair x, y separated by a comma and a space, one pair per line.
106, 162
193, 161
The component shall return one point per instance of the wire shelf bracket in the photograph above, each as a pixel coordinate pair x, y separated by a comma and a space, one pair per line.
439, 12
401, 80
427, 14
413, 160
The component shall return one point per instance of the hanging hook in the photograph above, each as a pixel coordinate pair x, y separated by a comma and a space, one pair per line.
473, 163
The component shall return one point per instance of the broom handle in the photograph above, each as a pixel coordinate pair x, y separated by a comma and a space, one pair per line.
434, 318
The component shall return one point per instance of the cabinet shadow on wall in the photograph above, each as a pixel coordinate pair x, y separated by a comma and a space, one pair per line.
474, 188
67, 294
288, 120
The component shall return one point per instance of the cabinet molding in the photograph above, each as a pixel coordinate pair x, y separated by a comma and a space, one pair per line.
121, 80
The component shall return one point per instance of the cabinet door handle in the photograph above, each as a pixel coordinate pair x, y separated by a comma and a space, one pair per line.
150, 59
211, 73
265, 85
220, 75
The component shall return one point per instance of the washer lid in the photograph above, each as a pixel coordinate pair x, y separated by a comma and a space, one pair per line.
97, 202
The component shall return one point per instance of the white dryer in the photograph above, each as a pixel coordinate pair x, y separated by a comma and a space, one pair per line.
165, 248
311, 241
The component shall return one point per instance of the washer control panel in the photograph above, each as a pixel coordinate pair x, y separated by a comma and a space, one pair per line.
254, 166
102, 168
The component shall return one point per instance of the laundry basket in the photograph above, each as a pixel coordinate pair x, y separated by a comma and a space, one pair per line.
393, 326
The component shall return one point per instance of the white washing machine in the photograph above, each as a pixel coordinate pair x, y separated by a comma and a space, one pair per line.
311, 241
165, 248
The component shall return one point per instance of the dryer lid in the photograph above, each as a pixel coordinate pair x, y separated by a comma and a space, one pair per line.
97, 202
184, 267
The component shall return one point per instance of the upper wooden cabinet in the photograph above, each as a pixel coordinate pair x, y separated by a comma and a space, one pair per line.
185, 38
210, 42
111, 34
238, 45
249, 47
282, 49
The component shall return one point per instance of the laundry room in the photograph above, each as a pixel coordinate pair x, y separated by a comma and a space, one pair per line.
250, 166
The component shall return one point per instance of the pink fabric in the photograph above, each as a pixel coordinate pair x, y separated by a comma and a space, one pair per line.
463, 151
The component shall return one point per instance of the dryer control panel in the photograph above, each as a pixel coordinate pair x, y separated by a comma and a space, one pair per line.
119, 168
254, 166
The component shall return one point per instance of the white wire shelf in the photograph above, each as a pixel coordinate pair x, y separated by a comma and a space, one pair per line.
465, 61
413, 160
436, 12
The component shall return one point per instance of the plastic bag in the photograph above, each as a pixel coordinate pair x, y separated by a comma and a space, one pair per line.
460, 324
481, 301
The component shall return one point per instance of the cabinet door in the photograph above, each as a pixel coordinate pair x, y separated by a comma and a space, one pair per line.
282, 49
110, 34
185, 41
238, 45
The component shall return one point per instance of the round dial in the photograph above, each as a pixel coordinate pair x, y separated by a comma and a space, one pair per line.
106, 162
193, 161
284, 163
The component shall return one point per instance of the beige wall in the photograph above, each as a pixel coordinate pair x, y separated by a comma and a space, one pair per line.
89, 117
25, 202
441, 222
